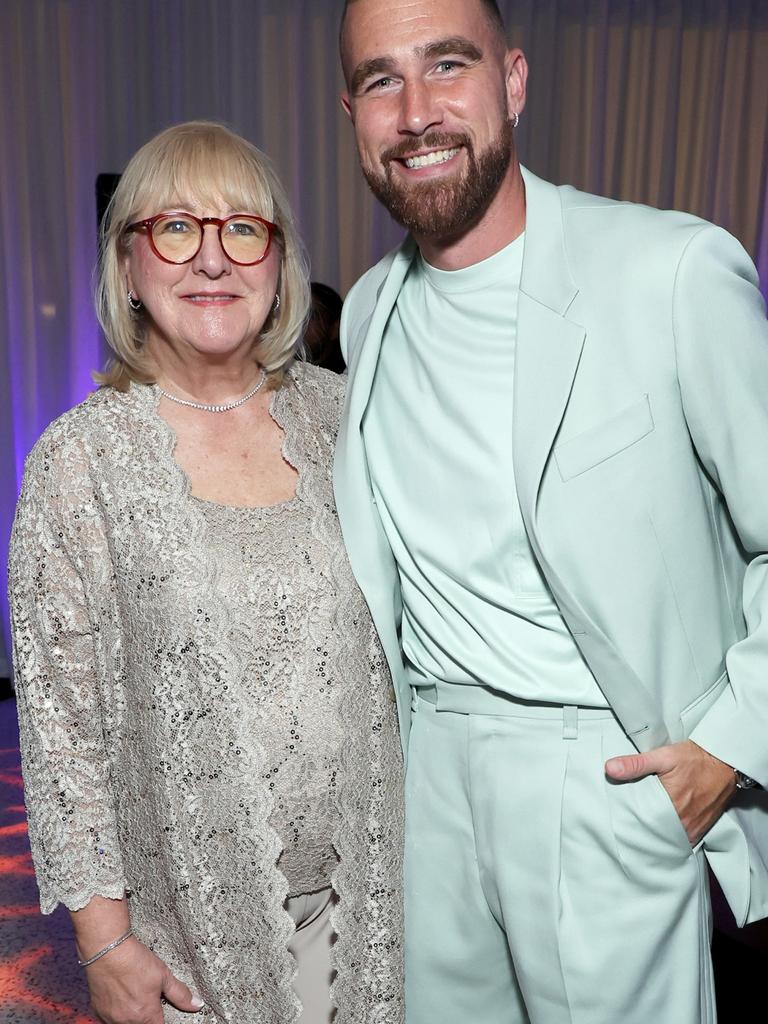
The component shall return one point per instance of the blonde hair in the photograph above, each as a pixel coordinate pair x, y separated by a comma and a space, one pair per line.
207, 162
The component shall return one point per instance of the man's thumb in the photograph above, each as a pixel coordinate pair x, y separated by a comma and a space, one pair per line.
624, 769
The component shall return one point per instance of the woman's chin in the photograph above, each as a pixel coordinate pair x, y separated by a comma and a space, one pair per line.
211, 347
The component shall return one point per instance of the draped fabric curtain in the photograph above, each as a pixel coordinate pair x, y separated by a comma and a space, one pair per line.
656, 101
659, 101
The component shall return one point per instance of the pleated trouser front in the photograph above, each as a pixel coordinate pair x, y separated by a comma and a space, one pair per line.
537, 892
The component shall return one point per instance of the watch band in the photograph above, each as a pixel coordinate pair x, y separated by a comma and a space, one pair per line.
743, 781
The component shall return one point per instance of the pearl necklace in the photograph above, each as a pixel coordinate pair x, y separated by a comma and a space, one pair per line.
214, 408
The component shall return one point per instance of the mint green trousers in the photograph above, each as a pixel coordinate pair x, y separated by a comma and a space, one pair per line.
537, 892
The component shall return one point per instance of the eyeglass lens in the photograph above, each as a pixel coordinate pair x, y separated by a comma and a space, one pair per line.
177, 238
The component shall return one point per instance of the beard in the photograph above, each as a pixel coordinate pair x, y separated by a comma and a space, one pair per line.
442, 209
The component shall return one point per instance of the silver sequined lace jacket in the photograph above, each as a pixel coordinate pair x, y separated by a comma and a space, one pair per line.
140, 711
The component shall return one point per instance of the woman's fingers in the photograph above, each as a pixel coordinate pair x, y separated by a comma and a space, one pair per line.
178, 995
127, 984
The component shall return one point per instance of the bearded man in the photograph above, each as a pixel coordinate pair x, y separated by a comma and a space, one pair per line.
551, 480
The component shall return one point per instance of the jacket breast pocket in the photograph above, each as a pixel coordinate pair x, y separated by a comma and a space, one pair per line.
588, 449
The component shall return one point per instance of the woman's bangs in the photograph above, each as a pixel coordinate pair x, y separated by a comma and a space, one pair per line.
207, 177
195, 169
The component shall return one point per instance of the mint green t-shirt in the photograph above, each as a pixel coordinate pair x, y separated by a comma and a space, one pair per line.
438, 435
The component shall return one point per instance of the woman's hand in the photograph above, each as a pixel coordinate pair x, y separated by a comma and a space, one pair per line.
128, 983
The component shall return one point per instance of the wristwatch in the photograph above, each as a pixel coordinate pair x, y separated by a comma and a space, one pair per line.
743, 781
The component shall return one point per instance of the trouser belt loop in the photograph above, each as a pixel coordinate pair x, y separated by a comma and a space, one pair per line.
570, 722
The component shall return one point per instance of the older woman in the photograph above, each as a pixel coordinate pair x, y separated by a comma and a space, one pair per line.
208, 737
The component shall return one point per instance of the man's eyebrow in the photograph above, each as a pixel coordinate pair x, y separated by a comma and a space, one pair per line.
369, 68
457, 46
453, 46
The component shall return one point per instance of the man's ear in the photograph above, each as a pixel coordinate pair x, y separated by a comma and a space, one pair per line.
516, 76
347, 106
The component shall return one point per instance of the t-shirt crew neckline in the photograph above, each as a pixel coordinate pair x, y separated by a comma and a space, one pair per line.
501, 266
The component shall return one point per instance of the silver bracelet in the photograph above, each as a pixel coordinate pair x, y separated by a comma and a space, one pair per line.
107, 949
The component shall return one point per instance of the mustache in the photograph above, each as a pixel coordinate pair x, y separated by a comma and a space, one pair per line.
432, 140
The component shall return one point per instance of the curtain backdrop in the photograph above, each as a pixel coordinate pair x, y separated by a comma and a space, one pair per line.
661, 101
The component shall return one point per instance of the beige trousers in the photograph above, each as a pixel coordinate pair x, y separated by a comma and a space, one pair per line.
311, 945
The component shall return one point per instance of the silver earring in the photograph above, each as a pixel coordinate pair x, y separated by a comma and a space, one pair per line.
134, 302
276, 304
516, 120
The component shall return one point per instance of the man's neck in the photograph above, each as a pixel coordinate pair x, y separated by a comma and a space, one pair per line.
501, 224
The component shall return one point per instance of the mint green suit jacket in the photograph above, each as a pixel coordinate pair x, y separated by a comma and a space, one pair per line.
641, 458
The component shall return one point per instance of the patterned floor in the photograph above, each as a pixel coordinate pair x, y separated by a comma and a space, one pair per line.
40, 982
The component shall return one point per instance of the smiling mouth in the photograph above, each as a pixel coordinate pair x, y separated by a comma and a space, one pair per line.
211, 298
440, 156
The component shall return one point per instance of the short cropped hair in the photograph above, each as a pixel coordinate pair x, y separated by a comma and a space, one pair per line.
491, 8
205, 162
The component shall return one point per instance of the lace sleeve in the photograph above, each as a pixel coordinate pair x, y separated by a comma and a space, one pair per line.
58, 537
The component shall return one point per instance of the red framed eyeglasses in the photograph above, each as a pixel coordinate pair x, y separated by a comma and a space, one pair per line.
178, 237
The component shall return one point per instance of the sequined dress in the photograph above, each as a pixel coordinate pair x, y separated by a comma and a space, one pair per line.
206, 716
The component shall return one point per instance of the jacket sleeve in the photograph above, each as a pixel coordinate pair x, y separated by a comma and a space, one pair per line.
721, 337
57, 537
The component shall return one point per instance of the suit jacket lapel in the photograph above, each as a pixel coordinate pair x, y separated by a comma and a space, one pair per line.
365, 355
548, 346
368, 549
369, 552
